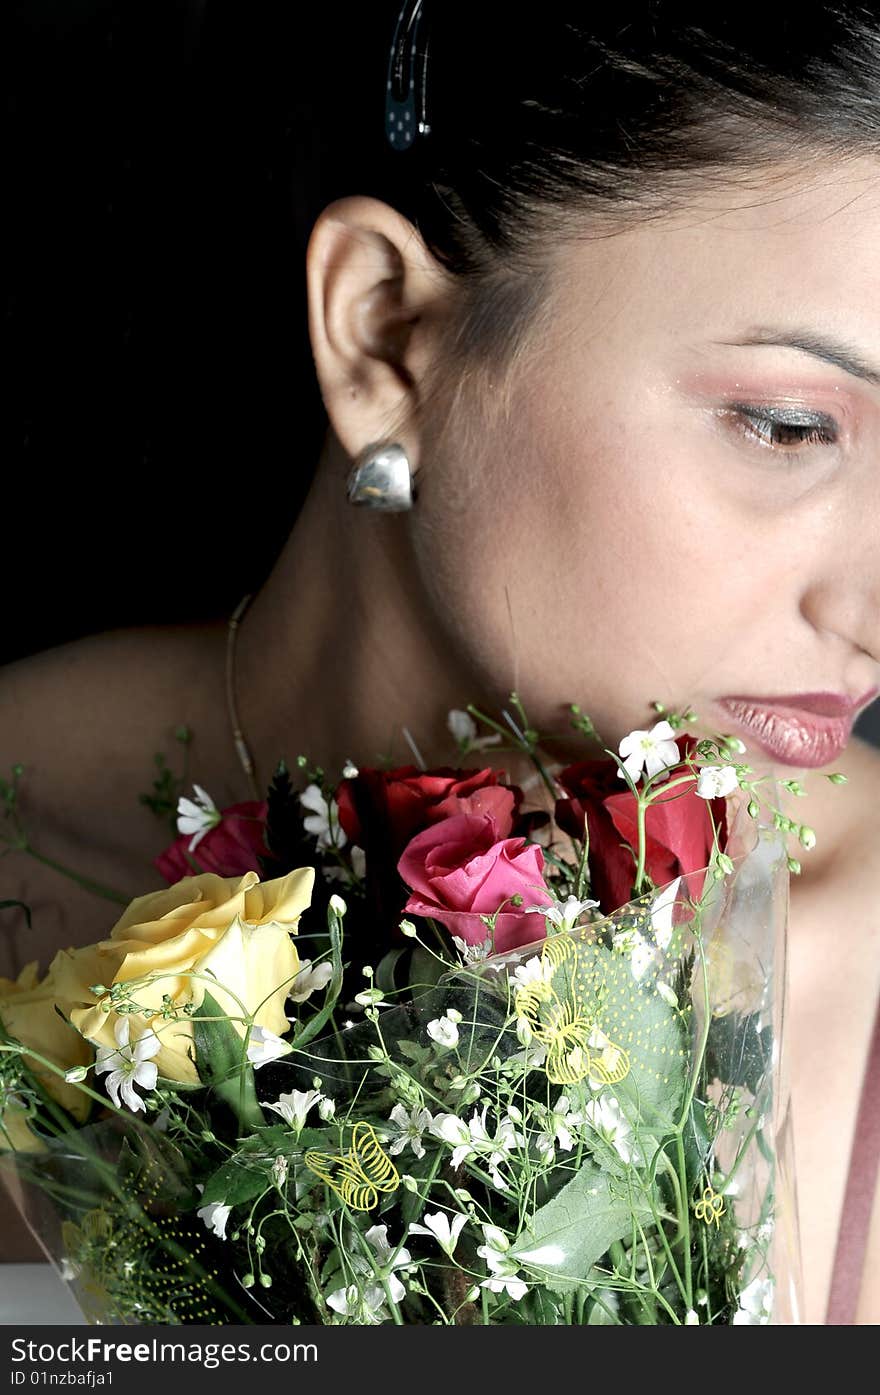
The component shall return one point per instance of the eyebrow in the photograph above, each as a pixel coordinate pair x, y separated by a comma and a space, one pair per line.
820, 346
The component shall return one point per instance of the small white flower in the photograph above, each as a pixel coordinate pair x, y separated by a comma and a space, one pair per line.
367, 1306
461, 725
444, 1031
215, 1217
454, 1131
322, 821
558, 1123
494, 1250
642, 954
609, 1058
280, 1169
533, 1057
410, 1124
197, 817
264, 1046
564, 914
350, 771
310, 980
561, 1120
534, 970
377, 1238
524, 1033
464, 730
605, 1115
655, 750
128, 1065
692, 1318
437, 1224
716, 781
326, 1109
494, 1148
337, 905
501, 1264
294, 1107
755, 1304
472, 954
371, 997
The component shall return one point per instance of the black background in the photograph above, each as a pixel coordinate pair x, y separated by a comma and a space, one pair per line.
165, 164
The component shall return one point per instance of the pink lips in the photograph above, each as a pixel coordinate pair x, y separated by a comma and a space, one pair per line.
804, 729
821, 704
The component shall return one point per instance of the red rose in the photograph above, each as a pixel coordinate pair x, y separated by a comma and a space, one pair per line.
463, 867
381, 810
678, 829
230, 849
400, 803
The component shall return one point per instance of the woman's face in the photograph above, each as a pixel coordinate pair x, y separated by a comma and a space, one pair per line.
680, 505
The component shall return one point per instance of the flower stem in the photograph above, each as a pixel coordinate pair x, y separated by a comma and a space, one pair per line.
640, 868
107, 893
685, 1217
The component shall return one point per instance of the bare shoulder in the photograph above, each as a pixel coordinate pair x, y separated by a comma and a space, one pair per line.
85, 721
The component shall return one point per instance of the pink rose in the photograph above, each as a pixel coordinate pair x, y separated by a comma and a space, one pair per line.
461, 868
230, 849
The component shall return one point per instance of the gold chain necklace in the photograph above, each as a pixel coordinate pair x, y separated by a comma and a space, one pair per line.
241, 745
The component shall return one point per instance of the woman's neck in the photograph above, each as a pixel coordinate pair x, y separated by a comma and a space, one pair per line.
338, 655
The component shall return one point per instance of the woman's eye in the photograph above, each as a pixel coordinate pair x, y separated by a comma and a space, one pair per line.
783, 429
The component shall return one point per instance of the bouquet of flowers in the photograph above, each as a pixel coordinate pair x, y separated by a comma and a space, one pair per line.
529, 1071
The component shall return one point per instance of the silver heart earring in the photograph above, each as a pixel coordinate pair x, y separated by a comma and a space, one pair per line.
382, 478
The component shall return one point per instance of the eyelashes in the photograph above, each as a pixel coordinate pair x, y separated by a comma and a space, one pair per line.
782, 429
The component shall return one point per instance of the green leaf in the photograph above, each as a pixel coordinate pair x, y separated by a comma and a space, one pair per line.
317, 1023
414, 1052
697, 1144
574, 1230
246, 1174
425, 969
384, 977
738, 1051
240, 1179
634, 1016
219, 1054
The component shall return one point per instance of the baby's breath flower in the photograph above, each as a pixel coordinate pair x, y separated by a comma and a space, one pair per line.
653, 750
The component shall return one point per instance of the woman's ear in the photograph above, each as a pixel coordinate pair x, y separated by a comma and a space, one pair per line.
377, 300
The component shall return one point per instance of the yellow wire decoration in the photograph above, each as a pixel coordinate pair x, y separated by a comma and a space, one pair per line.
710, 1207
358, 1176
562, 1021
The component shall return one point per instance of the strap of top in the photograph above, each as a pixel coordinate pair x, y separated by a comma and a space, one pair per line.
858, 1201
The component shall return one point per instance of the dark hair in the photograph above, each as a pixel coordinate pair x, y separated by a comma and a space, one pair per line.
577, 119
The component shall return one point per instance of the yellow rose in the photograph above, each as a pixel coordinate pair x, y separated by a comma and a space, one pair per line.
236, 928
27, 1011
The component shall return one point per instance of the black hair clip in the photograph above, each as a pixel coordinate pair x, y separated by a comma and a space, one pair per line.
405, 105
